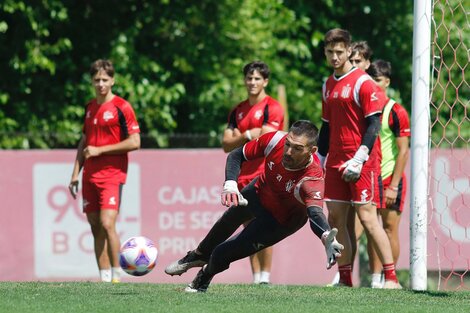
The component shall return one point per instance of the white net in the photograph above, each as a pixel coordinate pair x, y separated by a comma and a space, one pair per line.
449, 180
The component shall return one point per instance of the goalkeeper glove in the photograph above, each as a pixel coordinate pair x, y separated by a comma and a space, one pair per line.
353, 167
231, 196
332, 247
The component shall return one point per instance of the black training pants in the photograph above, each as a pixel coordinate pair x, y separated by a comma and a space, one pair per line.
263, 231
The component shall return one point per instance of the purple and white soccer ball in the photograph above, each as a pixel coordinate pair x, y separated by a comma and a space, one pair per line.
138, 256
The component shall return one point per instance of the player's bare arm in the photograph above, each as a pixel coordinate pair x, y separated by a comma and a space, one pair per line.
400, 164
130, 144
78, 164
233, 138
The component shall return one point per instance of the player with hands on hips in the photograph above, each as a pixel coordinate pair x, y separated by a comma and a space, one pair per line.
287, 194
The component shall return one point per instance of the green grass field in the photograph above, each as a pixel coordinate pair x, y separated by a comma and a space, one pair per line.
138, 297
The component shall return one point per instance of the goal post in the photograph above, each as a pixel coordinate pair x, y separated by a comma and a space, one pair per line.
420, 117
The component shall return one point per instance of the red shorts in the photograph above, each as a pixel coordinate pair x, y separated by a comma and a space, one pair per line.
101, 195
365, 190
401, 194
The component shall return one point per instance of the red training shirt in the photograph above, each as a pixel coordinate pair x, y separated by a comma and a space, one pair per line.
105, 124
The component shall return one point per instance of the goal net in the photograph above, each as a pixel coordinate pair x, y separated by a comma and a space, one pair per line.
448, 253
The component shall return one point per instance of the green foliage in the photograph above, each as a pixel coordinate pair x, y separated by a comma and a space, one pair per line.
180, 62
451, 92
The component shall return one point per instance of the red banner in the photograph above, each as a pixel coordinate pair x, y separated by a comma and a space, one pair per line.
172, 197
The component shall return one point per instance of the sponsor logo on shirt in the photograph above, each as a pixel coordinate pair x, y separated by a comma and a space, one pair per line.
373, 97
107, 115
289, 185
364, 195
317, 195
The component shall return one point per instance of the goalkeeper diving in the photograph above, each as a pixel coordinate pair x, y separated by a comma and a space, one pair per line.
276, 204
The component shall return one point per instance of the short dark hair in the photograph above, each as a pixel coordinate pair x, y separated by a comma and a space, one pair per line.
380, 68
307, 129
362, 47
259, 66
337, 35
102, 64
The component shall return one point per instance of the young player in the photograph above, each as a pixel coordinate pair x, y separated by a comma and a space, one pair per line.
351, 108
110, 131
394, 137
360, 57
278, 203
361, 54
257, 115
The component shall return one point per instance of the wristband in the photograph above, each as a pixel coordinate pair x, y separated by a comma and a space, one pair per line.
393, 188
248, 135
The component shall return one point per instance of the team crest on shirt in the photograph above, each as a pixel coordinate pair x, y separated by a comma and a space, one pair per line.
107, 115
346, 91
258, 114
289, 185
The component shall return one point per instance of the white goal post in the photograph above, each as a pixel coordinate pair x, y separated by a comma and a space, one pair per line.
420, 121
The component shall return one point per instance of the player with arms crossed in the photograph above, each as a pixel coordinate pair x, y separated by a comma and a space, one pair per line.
257, 115
394, 138
279, 202
351, 108
110, 131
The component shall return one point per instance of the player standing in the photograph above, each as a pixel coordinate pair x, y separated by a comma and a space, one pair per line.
394, 138
278, 203
351, 108
110, 131
257, 115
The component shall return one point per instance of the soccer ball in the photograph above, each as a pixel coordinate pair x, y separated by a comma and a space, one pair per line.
138, 256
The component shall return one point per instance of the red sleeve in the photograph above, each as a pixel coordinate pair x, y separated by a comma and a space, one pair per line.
311, 192
275, 115
371, 98
131, 121
399, 121
255, 148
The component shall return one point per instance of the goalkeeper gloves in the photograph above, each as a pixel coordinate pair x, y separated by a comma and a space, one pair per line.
231, 196
353, 167
332, 247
